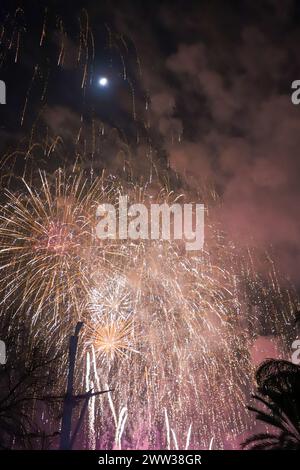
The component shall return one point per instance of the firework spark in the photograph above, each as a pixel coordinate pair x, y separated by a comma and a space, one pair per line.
162, 327
46, 241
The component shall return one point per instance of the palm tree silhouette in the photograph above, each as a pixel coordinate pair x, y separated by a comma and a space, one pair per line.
278, 393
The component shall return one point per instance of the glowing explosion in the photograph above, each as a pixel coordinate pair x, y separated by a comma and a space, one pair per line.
164, 329
46, 241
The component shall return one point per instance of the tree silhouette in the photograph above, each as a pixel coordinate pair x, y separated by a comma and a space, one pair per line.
24, 381
278, 393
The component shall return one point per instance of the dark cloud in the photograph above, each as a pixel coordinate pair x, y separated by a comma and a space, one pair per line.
225, 94
207, 88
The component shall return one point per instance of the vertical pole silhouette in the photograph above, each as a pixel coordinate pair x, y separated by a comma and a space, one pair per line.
66, 426
2, 92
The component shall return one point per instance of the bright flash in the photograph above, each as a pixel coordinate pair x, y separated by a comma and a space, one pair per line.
103, 81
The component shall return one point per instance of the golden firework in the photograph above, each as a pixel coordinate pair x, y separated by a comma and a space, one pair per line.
110, 337
47, 241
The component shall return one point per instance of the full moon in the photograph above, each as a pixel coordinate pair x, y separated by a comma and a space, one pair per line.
103, 81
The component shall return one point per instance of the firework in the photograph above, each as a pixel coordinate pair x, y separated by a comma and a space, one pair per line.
164, 329
169, 332
187, 350
46, 243
111, 337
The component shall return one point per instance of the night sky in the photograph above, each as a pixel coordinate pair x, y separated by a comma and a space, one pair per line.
206, 88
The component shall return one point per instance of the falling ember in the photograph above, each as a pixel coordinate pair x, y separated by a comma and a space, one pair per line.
169, 332
177, 332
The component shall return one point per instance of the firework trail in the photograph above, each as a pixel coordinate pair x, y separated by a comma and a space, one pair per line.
165, 329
